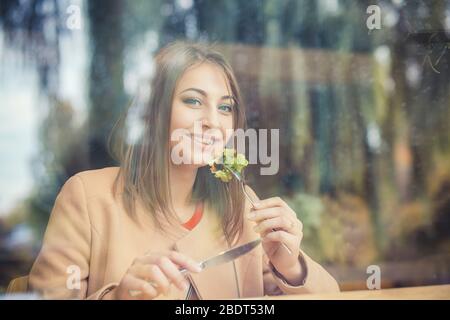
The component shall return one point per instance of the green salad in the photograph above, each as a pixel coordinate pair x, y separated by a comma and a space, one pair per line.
229, 160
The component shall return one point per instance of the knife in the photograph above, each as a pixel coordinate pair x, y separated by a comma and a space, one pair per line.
227, 256
223, 257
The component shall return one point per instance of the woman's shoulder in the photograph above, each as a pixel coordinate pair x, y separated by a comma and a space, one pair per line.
96, 182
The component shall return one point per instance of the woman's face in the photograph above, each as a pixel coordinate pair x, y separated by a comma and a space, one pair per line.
202, 115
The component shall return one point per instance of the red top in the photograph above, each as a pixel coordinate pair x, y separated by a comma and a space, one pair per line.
194, 220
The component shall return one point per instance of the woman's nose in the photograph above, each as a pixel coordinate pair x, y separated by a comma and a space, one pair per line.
211, 118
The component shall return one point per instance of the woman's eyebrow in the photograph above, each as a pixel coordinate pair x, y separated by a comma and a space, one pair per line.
203, 93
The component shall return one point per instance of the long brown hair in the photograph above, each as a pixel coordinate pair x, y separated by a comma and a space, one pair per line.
145, 165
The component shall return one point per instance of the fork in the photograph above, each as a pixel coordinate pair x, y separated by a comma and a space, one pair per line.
238, 176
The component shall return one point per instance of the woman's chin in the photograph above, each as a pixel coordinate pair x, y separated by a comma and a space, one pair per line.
203, 160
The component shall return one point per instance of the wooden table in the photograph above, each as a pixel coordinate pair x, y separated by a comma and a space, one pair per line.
440, 292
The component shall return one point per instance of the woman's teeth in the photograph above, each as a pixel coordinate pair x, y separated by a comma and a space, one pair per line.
203, 141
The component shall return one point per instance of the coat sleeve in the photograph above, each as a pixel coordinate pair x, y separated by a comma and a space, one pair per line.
61, 270
316, 280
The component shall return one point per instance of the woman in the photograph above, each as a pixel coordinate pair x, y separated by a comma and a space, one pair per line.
125, 232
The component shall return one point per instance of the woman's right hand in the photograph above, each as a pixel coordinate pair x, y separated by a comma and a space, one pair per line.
152, 274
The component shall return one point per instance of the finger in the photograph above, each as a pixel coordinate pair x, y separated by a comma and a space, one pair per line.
290, 240
139, 289
280, 222
151, 272
184, 261
173, 273
274, 202
176, 257
270, 202
299, 225
259, 215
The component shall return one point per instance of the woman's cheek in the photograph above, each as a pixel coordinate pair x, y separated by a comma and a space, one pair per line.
217, 149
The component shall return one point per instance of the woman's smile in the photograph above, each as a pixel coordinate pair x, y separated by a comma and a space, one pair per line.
204, 140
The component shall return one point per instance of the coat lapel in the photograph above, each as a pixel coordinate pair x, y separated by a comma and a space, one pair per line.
202, 242
207, 240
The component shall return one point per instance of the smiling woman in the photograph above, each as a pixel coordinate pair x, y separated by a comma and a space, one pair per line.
128, 230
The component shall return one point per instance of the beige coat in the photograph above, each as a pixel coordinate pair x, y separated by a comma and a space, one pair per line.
90, 237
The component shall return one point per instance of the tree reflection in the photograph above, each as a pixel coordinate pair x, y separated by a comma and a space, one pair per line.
363, 116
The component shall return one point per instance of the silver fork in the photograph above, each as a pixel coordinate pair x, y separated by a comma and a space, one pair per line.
238, 176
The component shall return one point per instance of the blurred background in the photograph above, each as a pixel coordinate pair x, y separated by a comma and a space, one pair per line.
362, 102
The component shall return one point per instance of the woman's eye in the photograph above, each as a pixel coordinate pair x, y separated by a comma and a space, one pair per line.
194, 102
226, 108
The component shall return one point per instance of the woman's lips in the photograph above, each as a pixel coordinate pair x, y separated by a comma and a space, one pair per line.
203, 141
207, 141
208, 146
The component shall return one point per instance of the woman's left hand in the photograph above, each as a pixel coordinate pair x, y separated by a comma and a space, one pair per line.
274, 213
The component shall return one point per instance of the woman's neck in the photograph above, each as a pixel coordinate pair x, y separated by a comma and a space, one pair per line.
181, 179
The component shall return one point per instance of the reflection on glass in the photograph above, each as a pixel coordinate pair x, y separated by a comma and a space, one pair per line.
363, 117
